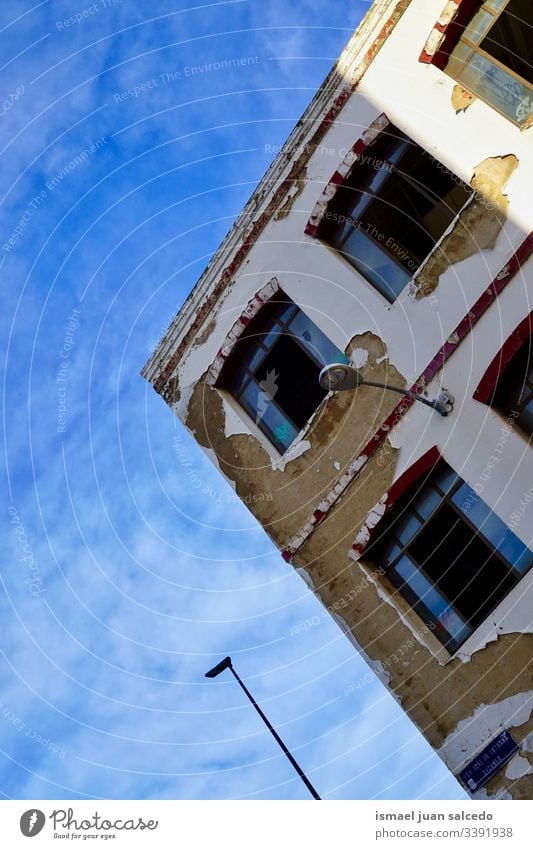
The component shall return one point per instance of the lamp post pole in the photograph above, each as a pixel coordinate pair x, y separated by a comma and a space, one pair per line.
227, 664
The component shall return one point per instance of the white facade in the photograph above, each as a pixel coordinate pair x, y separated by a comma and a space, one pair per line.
494, 459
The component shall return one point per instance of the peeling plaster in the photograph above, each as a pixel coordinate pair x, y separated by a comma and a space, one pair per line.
249, 453
448, 14
477, 227
343, 171
512, 618
385, 596
323, 508
286, 207
476, 731
308, 134
434, 42
500, 795
251, 310
181, 398
461, 99
491, 176
527, 743
365, 532
518, 767
439, 31
360, 357
233, 423
294, 451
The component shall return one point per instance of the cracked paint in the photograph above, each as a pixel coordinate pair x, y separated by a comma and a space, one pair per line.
478, 225
477, 730
518, 767
461, 98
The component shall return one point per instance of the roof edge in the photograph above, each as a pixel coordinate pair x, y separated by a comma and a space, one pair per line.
324, 108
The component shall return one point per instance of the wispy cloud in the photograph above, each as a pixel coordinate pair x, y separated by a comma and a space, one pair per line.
146, 577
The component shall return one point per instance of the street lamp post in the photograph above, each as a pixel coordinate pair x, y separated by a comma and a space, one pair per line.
226, 664
338, 377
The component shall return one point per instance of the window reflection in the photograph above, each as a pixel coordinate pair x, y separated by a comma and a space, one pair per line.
450, 555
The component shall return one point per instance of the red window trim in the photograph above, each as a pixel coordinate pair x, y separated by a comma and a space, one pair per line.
489, 381
343, 170
374, 518
463, 329
447, 31
252, 308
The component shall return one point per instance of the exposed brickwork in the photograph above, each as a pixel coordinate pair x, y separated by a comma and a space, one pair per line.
252, 308
446, 32
343, 171
263, 219
461, 332
404, 482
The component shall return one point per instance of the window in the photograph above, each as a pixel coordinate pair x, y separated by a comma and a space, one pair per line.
449, 555
394, 206
273, 369
492, 58
514, 391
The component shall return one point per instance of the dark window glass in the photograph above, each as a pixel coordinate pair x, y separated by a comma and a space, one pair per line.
298, 398
509, 39
493, 57
514, 392
394, 206
273, 370
449, 555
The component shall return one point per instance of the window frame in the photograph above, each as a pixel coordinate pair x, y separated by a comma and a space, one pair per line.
488, 385
366, 197
317, 223
266, 350
448, 33
418, 475
224, 361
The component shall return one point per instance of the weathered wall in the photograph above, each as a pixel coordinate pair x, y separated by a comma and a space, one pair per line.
458, 703
282, 496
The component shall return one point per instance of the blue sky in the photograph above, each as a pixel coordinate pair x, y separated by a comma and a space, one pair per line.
129, 567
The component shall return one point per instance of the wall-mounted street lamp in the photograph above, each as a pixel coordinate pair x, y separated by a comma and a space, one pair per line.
337, 377
226, 664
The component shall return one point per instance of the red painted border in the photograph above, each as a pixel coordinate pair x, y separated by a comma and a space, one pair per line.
252, 308
489, 381
343, 171
372, 522
161, 382
462, 330
447, 31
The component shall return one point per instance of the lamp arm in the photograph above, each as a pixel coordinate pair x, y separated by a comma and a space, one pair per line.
435, 405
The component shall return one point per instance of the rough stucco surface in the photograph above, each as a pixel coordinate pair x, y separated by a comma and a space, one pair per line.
478, 226
461, 98
513, 713
436, 697
282, 498
496, 672
286, 206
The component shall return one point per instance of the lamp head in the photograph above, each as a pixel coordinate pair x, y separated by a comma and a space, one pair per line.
336, 377
220, 667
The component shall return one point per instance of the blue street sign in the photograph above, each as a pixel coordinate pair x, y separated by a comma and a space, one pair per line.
488, 761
